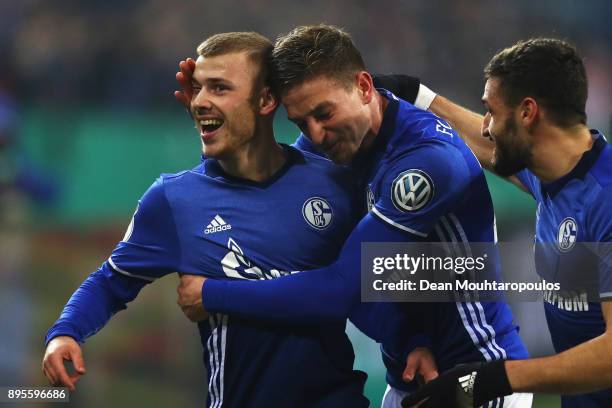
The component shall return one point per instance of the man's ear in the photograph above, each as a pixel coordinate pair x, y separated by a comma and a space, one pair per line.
530, 112
365, 86
268, 102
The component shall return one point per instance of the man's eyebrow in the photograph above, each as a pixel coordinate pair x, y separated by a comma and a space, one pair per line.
213, 80
320, 107
314, 111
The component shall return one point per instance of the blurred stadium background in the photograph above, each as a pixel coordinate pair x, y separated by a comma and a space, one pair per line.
88, 121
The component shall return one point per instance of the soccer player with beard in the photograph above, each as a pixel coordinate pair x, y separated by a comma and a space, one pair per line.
390, 145
535, 134
252, 209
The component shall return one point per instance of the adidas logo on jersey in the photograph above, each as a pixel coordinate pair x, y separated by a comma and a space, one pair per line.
217, 225
467, 382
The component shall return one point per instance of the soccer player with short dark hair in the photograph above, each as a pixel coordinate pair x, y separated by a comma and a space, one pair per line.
393, 147
535, 134
253, 209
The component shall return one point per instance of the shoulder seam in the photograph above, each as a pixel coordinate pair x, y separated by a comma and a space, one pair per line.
313, 156
165, 176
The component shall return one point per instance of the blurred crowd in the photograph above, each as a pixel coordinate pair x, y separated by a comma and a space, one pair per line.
125, 53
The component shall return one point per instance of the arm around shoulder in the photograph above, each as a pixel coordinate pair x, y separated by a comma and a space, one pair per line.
469, 125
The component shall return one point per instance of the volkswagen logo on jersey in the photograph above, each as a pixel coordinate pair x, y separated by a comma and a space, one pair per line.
566, 238
317, 212
412, 190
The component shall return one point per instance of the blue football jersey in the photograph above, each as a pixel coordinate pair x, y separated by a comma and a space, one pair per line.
452, 205
205, 222
573, 211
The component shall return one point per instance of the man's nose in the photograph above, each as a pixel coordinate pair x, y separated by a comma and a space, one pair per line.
201, 102
316, 133
485, 125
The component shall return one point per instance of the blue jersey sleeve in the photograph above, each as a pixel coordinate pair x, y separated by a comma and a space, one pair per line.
530, 181
600, 220
324, 294
99, 297
150, 248
421, 186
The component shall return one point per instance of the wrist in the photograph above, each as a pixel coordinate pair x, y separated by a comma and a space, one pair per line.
419, 341
424, 98
59, 331
491, 383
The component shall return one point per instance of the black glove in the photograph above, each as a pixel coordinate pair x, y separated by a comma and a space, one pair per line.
466, 386
403, 86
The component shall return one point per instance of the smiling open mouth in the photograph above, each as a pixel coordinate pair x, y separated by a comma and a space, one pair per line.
210, 125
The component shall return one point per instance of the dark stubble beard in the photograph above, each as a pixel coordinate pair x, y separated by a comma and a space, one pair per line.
511, 153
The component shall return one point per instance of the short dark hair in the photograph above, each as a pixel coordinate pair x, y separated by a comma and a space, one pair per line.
257, 47
310, 51
550, 71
